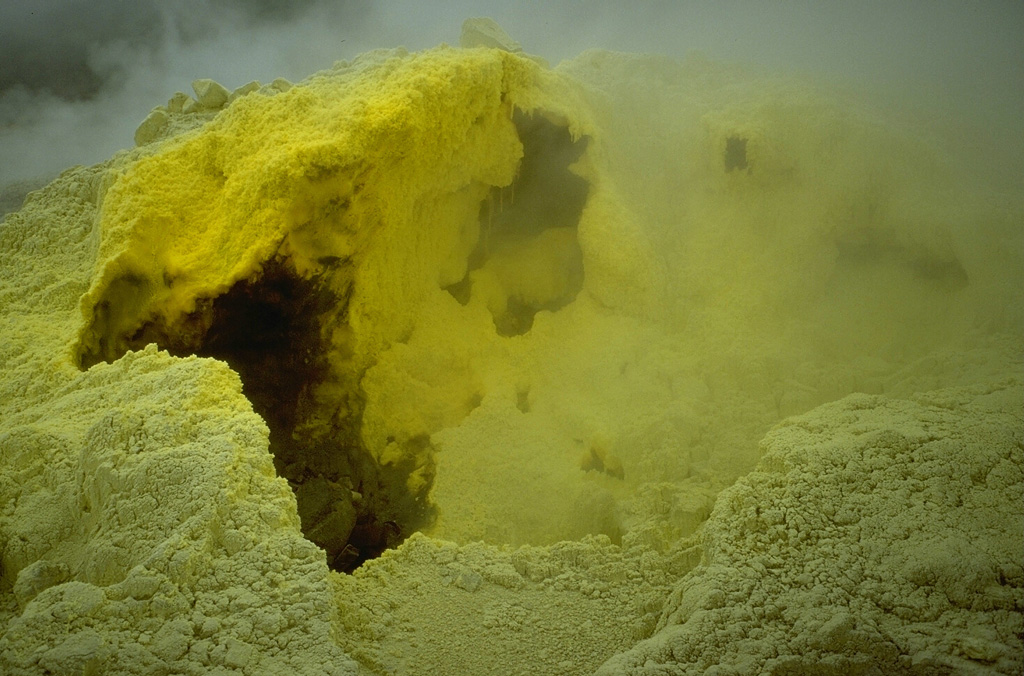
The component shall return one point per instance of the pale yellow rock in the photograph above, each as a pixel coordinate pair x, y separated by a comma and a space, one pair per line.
244, 89
177, 103
209, 93
36, 577
485, 32
280, 84
151, 127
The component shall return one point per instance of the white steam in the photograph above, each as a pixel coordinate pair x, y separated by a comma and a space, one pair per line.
78, 77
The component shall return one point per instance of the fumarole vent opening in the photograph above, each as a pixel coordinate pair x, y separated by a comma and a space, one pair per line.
287, 332
269, 330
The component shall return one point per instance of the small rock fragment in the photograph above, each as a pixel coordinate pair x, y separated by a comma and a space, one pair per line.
36, 577
280, 84
244, 89
151, 126
485, 32
177, 103
209, 93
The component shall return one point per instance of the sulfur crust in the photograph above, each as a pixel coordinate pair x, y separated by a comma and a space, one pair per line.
263, 177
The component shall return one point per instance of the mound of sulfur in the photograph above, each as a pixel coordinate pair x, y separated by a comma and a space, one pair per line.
493, 338
294, 236
291, 237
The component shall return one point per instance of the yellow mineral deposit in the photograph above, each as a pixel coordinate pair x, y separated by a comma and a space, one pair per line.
455, 363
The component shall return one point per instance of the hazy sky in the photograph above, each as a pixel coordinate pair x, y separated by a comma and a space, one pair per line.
77, 76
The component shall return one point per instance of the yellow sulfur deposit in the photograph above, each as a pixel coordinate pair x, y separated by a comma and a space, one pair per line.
451, 362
